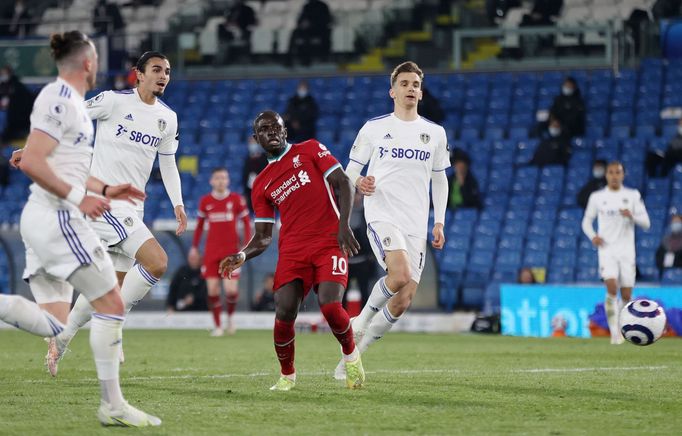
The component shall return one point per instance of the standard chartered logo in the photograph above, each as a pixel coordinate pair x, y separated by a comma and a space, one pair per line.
303, 177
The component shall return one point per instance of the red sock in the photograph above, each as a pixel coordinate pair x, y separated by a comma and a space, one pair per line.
215, 307
339, 321
284, 345
231, 301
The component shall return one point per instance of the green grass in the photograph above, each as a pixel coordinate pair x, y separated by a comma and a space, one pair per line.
416, 383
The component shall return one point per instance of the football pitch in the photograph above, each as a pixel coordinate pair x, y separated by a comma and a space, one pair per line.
416, 383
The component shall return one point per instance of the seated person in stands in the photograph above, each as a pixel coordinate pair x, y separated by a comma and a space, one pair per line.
554, 147
240, 19
544, 13
597, 182
660, 165
669, 253
569, 108
526, 276
463, 185
187, 290
264, 300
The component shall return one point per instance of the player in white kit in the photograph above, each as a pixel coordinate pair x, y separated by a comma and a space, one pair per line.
406, 153
62, 251
133, 127
617, 209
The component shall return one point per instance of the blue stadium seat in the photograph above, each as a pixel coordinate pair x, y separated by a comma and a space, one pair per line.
472, 297
672, 276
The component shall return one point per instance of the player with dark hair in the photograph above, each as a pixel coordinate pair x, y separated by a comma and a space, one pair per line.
221, 208
314, 242
62, 250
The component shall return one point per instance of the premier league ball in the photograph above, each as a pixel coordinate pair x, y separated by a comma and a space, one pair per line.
642, 322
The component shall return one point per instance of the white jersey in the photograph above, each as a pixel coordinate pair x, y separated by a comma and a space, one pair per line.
130, 133
617, 231
401, 155
59, 111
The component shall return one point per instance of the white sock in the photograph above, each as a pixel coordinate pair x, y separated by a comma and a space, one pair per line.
376, 301
352, 356
137, 282
106, 335
28, 316
611, 309
380, 325
79, 316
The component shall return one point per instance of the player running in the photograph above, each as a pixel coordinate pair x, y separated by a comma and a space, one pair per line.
314, 242
62, 251
221, 208
405, 153
133, 127
617, 210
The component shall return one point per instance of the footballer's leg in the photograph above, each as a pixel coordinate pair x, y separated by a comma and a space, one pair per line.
611, 308
329, 296
287, 301
215, 306
231, 287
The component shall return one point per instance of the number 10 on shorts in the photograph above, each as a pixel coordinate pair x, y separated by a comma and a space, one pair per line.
339, 266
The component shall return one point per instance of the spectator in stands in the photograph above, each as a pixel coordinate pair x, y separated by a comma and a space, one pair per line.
497, 9
526, 276
240, 19
119, 83
554, 147
569, 108
312, 36
187, 290
544, 13
597, 182
463, 185
301, 114
264, 299
107, 18
254, 164
429, 107
17, 100
669, 253
671, 157
361, 267
15, 20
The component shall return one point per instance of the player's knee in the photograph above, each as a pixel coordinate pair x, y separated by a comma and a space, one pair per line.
158, 266
400, 277
285, 314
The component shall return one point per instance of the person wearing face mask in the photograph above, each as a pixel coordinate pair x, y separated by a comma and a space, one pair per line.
569, 107
669, 253
554, 147
255, 162
597, 182
301, 114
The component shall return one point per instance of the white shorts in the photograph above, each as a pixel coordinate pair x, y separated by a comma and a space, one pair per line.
385, 236
621, 267
122, 230
58, 243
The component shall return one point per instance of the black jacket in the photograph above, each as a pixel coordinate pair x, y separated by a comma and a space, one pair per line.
304, 111
552, 151
660, 255
471, 196
187, 281
570, 110
587, 189
18, 110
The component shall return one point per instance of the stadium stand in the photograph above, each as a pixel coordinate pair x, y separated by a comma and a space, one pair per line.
530, 216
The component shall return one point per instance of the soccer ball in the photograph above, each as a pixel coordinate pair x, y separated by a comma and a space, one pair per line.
642, 322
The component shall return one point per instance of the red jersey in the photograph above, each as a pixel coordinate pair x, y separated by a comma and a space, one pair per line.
296, 184
222, 215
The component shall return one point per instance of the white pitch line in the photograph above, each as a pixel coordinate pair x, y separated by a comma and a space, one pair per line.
378, 371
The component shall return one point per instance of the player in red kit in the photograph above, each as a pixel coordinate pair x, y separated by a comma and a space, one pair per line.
314, 241
221, 208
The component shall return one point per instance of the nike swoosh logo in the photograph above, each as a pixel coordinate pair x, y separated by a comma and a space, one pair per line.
266, 186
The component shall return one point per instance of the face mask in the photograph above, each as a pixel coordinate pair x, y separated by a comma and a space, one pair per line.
119, 85
554, 131
302, 92
598, 173
567, 90
676, 227
254, 148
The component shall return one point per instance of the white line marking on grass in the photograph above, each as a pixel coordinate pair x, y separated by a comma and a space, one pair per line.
378, 371
596, 369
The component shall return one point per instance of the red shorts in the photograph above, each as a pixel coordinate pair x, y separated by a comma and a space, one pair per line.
209, 269
313, 265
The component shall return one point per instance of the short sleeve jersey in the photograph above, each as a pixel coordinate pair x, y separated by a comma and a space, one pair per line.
296, 184
129, 135
402, 156
222, 215
59, 111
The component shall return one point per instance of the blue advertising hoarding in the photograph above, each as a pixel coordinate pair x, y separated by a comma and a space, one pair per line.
527, 310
